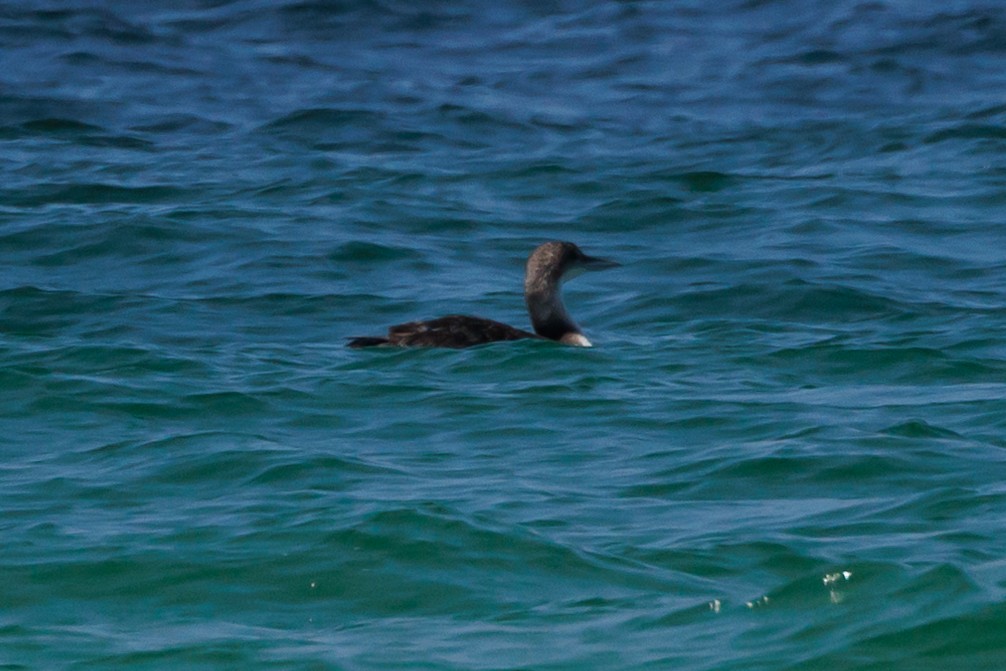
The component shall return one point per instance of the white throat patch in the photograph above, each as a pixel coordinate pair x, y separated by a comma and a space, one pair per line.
576, 339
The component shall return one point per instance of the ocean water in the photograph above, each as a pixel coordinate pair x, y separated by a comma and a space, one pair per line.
787, 449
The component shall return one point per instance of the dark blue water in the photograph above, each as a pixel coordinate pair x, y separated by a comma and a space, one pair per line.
785, 451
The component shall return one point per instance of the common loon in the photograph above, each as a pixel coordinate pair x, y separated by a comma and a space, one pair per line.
547, 267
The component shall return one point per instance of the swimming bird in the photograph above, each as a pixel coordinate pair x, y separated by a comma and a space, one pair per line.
548, 266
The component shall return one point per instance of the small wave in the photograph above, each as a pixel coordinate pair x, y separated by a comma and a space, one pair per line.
92, 193
31, 310
968, 132
369, 252
792, 300
324, 118
918, 428
74, 131
173, 123
59, 126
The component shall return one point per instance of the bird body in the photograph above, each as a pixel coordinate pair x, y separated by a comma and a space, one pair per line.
547, 267
456, 331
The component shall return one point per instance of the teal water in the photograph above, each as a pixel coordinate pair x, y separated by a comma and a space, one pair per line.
786, 450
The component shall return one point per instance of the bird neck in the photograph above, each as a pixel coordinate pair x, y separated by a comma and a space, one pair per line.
549, 316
